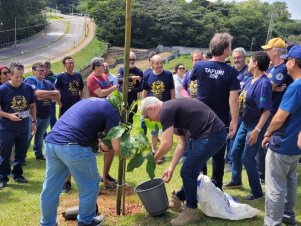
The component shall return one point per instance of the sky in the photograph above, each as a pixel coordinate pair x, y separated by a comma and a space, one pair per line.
293, 6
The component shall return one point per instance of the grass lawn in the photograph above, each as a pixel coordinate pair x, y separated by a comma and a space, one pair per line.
20, 202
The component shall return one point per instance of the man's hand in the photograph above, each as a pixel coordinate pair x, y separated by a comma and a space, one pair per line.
232, 130
281, 88
14, 117
167, 175
33, 129
252, 137
265, 140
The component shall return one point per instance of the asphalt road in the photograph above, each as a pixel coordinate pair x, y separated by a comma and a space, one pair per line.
47, 45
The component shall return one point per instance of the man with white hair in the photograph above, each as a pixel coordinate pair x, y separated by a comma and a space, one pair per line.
134, 84
208, 136
158, 83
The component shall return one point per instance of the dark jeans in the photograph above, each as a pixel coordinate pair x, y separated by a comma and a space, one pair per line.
7, 140
201, 150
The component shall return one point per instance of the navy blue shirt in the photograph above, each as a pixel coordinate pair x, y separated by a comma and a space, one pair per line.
134, 87
255, 97
243, 76
43, 106
279, 76
14, 100
215, 81
159, 85
83, 121
69, 87
284, 140
190, 86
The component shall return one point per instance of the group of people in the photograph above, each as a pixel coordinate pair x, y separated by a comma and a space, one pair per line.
252, 111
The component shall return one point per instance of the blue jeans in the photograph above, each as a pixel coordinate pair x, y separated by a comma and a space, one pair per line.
244, 153
42, 125
81, 162
52, 114
201, 150
7, 140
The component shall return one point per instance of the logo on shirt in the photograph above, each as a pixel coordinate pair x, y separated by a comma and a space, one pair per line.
132, 84
157, 89
279, 77
73, 87
193, 88
270, 75
242, 101
19, 103
214, 73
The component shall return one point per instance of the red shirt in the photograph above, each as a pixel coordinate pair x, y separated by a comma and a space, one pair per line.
94, 82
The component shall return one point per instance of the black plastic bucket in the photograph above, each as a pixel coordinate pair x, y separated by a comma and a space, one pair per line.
152, 194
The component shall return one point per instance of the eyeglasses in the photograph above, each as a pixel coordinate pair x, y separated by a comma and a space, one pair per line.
181, 68
132, 59
42, 70
5, 72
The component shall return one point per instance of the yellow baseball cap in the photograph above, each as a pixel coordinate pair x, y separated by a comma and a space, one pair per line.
275, 42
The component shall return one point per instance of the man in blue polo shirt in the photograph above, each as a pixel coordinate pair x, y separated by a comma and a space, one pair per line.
45, 93
283, 153
67, 148
16, 105
218, 88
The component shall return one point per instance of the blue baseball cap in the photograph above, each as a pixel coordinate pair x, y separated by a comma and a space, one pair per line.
295, 52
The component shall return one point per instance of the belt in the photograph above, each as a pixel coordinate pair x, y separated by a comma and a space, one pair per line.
80, 144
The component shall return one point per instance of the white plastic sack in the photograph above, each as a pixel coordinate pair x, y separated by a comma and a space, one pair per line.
214, 203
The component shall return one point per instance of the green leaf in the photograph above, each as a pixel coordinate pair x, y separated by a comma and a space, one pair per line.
150, 166
116, 99
115, 132
127, 145
135, 162
149, 124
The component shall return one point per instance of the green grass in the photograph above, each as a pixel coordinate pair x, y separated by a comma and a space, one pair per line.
20, 202
51, 16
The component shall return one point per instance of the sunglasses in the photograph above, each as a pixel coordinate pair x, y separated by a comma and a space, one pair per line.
70, 63
181, 68
5, 72
132, 59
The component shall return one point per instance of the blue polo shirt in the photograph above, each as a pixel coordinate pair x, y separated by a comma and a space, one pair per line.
255, 97
190, 86
159, 85
83, 121
43, 106
279, 76
284, 140
215, 81
134, 87
14, 100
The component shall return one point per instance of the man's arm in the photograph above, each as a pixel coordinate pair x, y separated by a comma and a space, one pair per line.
166, 143
116, 146
144, 94
48, 94
299, 140
82, 94
104, 92
234, 110
172, 94
33, 112
277, 122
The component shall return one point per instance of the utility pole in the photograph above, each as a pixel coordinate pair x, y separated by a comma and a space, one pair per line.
15, 31
269, 35
252, 43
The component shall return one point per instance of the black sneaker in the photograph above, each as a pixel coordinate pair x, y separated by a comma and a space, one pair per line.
97, 221
66, 187
110, 179
253, 197
20, 179
41, 157
289, 222
232, 185
3, 184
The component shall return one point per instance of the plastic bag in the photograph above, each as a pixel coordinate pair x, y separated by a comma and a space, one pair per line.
214, 203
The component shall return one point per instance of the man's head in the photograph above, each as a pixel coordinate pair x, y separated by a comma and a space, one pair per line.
207, 56
47, 65
196, 56
157, 64
106, 68
132, 60
17, 71
150, 108
4, 74
293, 61
97, 65
239, 58
275, 48
220, 45
38, 70
68, 63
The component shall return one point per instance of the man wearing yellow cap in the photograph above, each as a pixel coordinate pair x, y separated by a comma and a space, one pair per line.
280, 80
